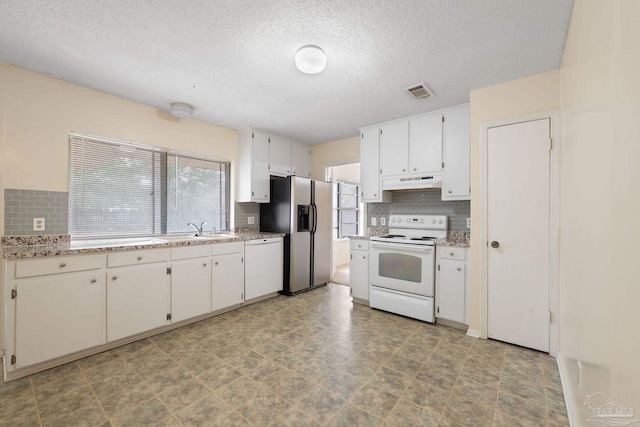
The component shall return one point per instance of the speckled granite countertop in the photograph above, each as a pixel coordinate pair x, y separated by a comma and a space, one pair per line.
42, 246
456, 238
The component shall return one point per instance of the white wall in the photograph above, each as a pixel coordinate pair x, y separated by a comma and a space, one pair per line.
38, 112
600, 203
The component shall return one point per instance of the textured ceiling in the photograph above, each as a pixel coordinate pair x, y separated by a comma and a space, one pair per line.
233, 60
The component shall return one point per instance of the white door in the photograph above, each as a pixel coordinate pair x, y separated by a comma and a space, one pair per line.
59, 314
260, 168
137, 299
227, 280
518, 233
370, 164
394, 148
425, 144
190, 288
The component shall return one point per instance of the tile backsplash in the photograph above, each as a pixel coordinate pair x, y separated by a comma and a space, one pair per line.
426, 202
21, 206
245, 210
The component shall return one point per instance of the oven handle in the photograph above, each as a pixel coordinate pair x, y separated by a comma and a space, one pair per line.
410, 248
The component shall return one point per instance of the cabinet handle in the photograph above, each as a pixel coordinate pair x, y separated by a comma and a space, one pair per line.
253, 194
265, 196
139, 258
404, 170
375, 195
216, 263
451, 254
94, 280
364, 257
459, 269
449, 191
114, 278
63, 264
204, 264
415, 169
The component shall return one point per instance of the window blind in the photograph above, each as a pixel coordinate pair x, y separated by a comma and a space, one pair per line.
119, 189
197, 191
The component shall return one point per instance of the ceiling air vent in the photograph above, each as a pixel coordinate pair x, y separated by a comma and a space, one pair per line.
420, 91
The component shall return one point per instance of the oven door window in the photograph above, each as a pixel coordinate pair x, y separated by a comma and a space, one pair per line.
400, 267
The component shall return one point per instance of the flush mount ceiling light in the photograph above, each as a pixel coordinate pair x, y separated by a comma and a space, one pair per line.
180, 109
311, 59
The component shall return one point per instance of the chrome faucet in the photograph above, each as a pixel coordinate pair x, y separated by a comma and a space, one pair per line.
198, 229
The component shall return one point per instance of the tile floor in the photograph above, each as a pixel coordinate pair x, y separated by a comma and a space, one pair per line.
310, 360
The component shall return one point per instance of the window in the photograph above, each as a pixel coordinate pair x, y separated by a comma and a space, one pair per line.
346, 209
122, 189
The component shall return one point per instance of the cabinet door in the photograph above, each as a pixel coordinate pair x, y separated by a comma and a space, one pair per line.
190, 288
425, 144
301, 160
369, 164
280, 156
450, 292
262, 269
359, 275
260, 168
137, 299
59, 315
227, 280
455, 176
394, 149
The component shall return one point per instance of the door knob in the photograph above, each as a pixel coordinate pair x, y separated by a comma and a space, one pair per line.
495, 244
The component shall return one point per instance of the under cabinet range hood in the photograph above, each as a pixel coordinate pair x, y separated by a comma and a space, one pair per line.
413, 183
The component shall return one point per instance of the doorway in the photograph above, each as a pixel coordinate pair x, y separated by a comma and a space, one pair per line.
518, 242
347, 216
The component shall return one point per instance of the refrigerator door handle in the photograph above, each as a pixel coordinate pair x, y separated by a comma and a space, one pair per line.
315, 218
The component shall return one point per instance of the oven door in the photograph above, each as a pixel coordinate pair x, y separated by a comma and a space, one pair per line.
403, 267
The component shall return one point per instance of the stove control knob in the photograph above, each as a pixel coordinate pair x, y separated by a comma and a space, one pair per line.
421, 220
433, 221
440, 221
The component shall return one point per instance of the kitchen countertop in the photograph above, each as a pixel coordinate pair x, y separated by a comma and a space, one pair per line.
42, 246
456, 238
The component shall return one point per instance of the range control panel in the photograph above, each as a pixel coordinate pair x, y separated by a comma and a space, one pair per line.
419, 221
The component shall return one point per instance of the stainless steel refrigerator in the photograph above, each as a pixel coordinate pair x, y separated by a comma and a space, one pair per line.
301, 208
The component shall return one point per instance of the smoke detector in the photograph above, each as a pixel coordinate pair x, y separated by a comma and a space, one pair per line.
419, 91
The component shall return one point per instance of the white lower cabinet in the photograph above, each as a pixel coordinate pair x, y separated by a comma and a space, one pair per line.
58, 315
359, 271
262, 267
138, 296
190, 288
452, 284
227, 275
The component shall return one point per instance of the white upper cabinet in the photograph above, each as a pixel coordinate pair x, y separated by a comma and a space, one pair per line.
301, 159
370, 166
455, 175
280, 163
253, 167
263, 154
425, 144
394, 148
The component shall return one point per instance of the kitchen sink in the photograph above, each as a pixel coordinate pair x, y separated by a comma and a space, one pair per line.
192, 237
214, 237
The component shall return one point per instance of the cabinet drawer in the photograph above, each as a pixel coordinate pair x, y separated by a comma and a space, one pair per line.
359, 245
451, 252
187, 252
55, 265
119, 259
227, 248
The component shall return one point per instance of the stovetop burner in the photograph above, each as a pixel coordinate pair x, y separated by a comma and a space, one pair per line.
393, 236
422, 238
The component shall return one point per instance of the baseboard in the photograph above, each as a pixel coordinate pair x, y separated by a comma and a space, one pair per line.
473, 333
567, 391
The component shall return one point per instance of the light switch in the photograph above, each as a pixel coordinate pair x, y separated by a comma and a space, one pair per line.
468, 222
38, 224
374, 221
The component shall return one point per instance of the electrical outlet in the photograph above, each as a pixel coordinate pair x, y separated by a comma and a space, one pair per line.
383, 221
468, 222
374, 221
251, 220
38, 224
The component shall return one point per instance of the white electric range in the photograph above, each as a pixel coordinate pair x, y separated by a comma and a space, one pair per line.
402, 265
